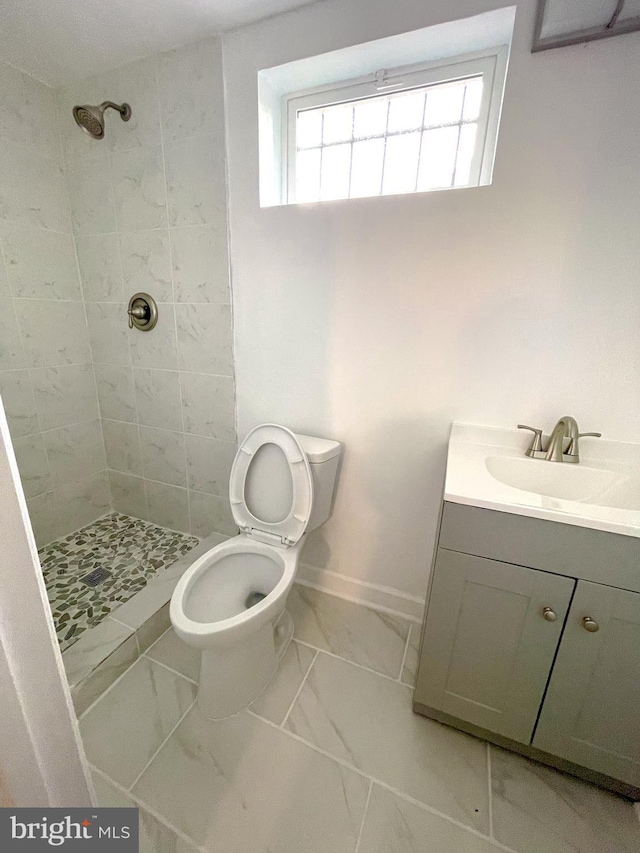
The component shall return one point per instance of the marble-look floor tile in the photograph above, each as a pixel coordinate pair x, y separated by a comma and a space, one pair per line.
103, 676
357, 633
410, 667
125, 728
92, 648
176, 654
536, 810
277, 697
246, 786
368, 721
393, 825
154, 836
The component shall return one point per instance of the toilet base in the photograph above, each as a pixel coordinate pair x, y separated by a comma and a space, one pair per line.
232, 678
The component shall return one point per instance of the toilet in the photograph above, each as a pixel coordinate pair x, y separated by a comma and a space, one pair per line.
230, 603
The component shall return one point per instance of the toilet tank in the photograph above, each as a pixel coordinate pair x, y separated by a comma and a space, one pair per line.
324, 456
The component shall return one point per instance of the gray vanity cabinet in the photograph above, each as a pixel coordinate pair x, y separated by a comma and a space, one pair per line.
489, 650
591, 713
532, 640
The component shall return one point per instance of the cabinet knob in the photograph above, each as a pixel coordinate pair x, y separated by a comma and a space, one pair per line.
549, 614
590, 625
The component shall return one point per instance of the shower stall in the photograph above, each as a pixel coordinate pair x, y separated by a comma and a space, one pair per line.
116, 367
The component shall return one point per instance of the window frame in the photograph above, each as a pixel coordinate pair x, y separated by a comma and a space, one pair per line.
491, 64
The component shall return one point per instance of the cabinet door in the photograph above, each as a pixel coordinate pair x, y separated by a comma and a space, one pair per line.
487, 649
591, 713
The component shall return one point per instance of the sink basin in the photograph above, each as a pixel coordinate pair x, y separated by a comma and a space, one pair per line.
554, 479
487, 468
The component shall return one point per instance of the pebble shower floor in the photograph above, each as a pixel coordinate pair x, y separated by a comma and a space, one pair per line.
131, 550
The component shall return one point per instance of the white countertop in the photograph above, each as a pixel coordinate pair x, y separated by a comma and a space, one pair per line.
468, 480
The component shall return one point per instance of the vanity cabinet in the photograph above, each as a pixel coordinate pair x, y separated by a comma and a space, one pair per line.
528, 652
489, 651
591, 712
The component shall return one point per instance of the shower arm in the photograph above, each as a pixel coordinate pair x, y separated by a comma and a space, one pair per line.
122, 109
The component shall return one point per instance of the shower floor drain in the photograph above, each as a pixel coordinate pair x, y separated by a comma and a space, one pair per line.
97, 576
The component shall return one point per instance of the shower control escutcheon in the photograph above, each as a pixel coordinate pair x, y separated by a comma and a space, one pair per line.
143, 312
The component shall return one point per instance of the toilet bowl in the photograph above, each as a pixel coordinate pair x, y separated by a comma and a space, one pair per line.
230, 603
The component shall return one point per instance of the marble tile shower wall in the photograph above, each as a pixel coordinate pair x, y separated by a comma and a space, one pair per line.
149, 213
46, 376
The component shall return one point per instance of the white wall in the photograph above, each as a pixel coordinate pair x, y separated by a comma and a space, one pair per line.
380, 321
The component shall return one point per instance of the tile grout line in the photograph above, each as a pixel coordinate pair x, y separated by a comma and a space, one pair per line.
169, 669
364, 817
490, 792
173, 294
148, 764
298, 691
143, 805
354, 663
404, 654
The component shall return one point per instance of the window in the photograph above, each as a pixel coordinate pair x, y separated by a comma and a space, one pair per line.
409, 130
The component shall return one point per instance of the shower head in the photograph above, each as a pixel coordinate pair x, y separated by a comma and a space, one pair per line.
91, 119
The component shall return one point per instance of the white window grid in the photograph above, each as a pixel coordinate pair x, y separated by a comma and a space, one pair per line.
403, 81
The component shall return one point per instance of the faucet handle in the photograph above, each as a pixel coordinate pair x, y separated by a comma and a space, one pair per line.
589, 434
536, 441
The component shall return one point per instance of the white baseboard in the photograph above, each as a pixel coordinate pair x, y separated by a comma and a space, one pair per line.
372, 595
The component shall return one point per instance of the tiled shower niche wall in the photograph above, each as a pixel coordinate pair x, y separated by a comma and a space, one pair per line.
46, 376
149, 213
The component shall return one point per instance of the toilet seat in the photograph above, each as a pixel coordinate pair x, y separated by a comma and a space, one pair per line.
290, 529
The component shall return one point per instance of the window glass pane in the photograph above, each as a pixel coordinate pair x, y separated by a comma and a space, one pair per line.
437, 158
472, 99
309, 128
338, 122
396, 142
370, 117
444, 104
366, 169
308, 175
401, 163
336, 166
466, 147
406, 111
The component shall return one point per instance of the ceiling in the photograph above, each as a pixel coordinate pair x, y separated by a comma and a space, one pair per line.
57, 41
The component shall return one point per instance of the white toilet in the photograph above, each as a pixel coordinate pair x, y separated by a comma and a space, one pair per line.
230, 603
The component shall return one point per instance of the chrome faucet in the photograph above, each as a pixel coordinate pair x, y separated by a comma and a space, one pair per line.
563, 443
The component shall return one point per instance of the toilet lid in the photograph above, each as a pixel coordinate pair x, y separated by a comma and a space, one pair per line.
289, 529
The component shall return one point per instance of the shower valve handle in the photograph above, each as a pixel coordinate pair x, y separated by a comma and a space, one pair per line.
140, 312
143, 312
